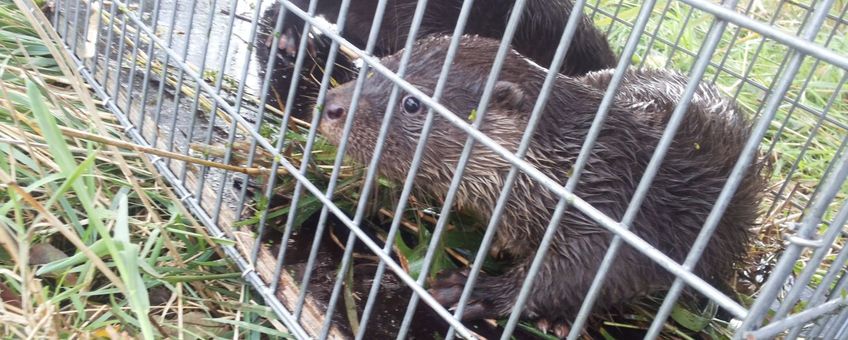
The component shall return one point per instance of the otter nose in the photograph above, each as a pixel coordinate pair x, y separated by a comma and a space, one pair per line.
334, 111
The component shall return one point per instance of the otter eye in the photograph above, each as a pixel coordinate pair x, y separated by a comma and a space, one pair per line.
411, 104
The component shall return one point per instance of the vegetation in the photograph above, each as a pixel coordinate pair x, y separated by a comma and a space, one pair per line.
93, 242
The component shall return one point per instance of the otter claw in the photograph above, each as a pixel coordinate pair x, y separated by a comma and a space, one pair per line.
543, 325
288, 42
561, 330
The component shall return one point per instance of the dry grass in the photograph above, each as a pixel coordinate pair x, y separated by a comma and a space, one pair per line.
94, 244
94, 214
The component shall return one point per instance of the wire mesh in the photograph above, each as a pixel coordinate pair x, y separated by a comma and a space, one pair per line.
183, 76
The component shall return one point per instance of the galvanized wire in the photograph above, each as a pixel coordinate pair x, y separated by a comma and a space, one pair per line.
802, 46
488, 89
417, 156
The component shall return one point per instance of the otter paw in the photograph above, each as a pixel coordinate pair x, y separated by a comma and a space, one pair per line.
447, 290
288, 43
559, 328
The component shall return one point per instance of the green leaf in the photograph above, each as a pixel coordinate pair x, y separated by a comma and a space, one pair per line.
693, 321
98, 247
128, 254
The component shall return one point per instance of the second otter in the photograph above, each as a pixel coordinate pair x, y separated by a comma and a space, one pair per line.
536, 38
701, 157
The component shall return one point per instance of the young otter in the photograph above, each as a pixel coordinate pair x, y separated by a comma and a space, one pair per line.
536, 38
695, 168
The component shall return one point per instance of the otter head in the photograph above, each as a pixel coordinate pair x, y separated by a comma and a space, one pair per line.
504, 121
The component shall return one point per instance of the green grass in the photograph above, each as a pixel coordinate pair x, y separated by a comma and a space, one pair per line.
736, 58
92, 243
84, 231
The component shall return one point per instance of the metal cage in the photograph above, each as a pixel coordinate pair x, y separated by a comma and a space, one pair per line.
180, 77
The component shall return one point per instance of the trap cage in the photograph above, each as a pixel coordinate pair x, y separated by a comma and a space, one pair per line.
181, 78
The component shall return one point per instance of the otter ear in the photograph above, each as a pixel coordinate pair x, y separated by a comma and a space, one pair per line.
509, 95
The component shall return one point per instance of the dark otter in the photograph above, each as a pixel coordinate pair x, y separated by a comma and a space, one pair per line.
536, 38
690, 179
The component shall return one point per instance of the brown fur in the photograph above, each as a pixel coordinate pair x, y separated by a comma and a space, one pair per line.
693, 173
537, 37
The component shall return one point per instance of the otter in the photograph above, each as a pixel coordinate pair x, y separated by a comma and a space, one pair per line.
537, 37
701, 157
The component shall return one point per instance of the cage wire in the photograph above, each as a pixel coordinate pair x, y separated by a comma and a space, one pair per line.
181, 77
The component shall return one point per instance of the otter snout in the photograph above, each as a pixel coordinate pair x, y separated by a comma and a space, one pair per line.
333, 118
334, 111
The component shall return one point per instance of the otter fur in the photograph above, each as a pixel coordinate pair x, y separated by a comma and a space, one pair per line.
537, 36
701, 156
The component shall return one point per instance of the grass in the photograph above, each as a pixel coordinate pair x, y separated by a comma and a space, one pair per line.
87, 226
801, 143
94, 244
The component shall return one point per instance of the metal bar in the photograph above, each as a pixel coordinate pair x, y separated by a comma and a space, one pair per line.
837, 19
99, 27
160, 95
585, 151
819, 254
802, 45
742, 77
651, 170
578, 203
809, 141
85, 27
307, 152
836, 266
247, 270
796, 104
809, 314
150, 59
120, 56
57, 5
841, 325
372, 169
830, 168
429, 256
743, 163
107, 54
67, 21
182, 61
196, 100
263, 96
302, 179
306, 156
615, 15
464, 13
269, 69
75, 35
494, 221
756, 57
732, 43
222, 67
131, 77
784, 266
837, 323
232, 133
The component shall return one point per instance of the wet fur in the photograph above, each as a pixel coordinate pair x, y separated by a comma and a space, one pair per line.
693, 173
537, 38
